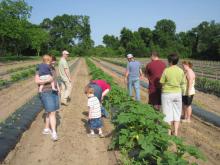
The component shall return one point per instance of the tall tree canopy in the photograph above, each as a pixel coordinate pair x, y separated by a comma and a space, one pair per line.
201, 42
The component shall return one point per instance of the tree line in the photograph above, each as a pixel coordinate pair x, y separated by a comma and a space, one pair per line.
20, 37
201, 42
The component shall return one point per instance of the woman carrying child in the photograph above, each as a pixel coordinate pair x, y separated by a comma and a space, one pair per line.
48, 95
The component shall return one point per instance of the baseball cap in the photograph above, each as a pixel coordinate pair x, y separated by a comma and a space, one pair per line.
130, 56
65, 52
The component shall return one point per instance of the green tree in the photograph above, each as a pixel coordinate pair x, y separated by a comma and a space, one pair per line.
13, 24
69, 32
111, 41
39, 38
164, 33
125, 37
136, 46
146, 35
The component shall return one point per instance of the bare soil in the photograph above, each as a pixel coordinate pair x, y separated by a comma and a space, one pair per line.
197, 133
73, 146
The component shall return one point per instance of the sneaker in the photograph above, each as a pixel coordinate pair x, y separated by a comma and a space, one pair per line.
46, 131
91, 135
68, 99
101, 135
184, 120
64, 103
54, 136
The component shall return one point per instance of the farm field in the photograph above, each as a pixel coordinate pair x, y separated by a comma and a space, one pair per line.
79, 109
206, 69
79, 149
197, 133
205, 100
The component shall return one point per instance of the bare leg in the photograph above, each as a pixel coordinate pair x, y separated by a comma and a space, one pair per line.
52, 117
41, 88
189, 113
170, 130
185, 111
176, 127
47, 122
100, 130
53, 86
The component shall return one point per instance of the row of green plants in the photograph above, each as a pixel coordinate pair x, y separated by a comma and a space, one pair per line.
203, 84
208, 86
140, 133
21, 68
19, 75
17, 58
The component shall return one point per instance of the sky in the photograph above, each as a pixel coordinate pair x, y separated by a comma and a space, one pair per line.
110, 16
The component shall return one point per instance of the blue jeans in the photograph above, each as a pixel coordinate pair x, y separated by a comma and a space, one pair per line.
50, 100
104, 112
134, 82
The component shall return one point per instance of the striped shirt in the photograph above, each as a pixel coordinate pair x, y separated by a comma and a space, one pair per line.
94, 108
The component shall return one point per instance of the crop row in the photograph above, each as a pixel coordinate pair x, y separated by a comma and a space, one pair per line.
203, 84
140, 132
212, 72
20, 75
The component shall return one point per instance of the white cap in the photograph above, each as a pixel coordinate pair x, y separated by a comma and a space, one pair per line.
130, 56
65, 52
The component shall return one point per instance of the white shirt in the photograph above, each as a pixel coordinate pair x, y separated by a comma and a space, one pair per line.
94, 107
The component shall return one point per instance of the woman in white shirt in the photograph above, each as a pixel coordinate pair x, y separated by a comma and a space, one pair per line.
189, 90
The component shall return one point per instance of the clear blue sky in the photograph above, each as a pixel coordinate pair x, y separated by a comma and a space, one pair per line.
110, 16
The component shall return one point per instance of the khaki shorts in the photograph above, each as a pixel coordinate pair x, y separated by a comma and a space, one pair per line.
171, 106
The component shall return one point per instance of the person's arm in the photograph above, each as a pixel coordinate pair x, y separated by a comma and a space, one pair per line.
189, 78
126, 73
42, 82
67, 73
58, 87
163, 78
141, 73
105, 93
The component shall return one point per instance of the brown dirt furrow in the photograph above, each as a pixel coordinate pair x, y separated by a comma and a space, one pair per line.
73, 146
205, 137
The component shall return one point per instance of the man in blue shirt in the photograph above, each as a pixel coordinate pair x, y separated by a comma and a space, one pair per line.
132, 76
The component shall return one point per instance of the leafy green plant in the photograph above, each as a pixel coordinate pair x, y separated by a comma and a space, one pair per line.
22, 74
140, 132
208, 86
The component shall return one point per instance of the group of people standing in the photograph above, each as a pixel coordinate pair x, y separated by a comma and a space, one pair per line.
170, 90
52, 94
49, 91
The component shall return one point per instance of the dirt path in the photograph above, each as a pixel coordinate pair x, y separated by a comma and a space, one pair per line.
73, 146
207, 101
205, 137
15, 96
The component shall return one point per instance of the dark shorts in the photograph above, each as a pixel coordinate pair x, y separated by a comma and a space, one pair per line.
155, 98
50, 100
187, 100
95, 123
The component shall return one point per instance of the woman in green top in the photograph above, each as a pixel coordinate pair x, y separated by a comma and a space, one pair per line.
172, 81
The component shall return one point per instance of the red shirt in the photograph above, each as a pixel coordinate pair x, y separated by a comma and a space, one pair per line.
102, 84
154, 70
